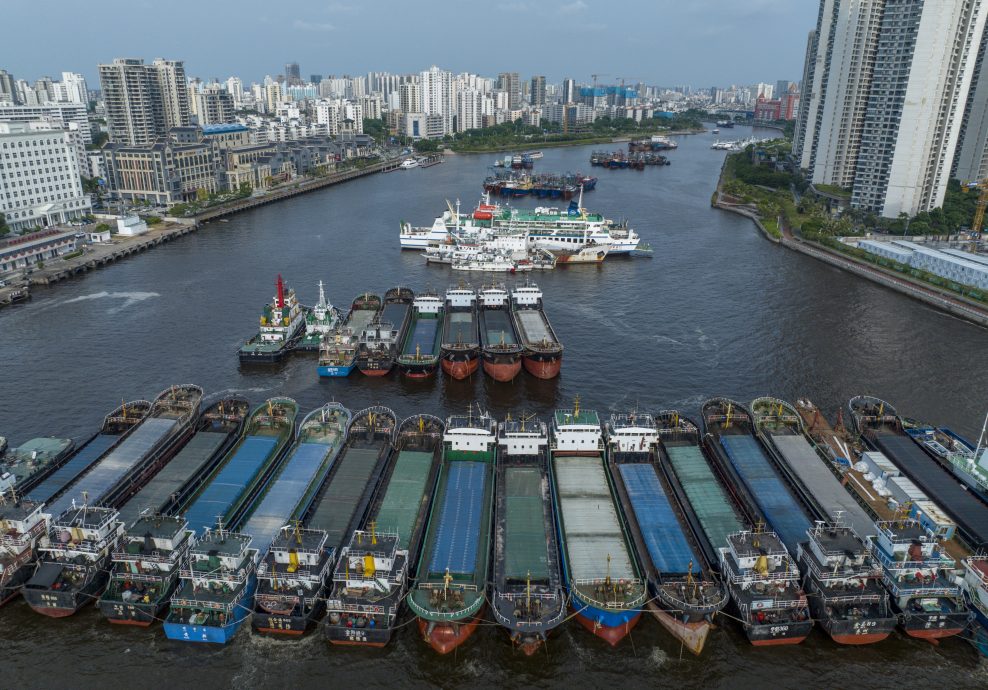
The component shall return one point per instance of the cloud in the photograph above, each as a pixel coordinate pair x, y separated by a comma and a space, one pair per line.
513, 7
303, 25
573, 7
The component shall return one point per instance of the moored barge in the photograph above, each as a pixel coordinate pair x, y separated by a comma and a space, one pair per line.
500, 350
543, 355
422, 346
460, 354
338, 349
24, 467
381, 340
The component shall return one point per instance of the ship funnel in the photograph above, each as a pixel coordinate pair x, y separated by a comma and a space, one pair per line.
281, 292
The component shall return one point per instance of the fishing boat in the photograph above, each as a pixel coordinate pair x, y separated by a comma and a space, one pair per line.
840, 577
605, 586
501, 352
321, 320
374, 570
543, 355
217, 580
527, 597
380, 340
882, 430
975, 584
686, 594
338, 349
460, 350
451, 576
422, 347
27, 465
282, 585
282, 327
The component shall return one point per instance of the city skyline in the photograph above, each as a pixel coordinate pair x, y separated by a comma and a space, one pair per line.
552, 39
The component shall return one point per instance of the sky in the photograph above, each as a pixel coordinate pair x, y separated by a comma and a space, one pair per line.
660, 42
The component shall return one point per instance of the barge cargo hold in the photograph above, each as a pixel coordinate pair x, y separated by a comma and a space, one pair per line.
882, 430
379, 347
338, 349
373, 572
70, 575
288, 495
217, 579
500, 350
605, 585
543, 355
527, 595
421, 348
452, 572
460, 354
686, 594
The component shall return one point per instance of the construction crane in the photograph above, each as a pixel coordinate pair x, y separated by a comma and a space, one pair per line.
595, 78
979, 213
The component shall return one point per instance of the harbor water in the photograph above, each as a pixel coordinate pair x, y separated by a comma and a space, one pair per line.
716, 311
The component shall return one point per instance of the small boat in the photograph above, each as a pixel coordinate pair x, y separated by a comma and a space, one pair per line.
338, 349
282, 327
421, 350
500, 350
589, 253
460, 352
409, 163
543, 352
321, 320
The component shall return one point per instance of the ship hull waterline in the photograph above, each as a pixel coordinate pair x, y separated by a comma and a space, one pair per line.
543, 367
445, 637
460, 369
502, 371
693, 635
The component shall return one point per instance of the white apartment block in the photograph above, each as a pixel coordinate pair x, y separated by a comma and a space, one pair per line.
59, 114
469, 109
39, 176
438, 97
144, 101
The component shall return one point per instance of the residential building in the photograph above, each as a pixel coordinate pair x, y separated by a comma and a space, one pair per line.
8, 87
971, 161
40, 182
144, 101
510, 83
293, 75
72, 89
58, 114
437, 96
469, 109
410, 97
569, 92
213, 106
767, 110
537, 98
273, 96
235, 87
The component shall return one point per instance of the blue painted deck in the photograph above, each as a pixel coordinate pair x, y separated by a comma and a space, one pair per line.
459, 520
82, 459
662, 532
286, 491
784, 514
225, 488
423, 337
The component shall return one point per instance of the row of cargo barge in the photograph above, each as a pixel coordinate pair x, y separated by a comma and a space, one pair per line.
203, 517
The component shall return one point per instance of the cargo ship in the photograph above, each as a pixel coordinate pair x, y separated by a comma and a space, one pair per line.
757, 565
145, 570
500, 350
606, 588
380, 341
527, 596
685, 594
282, 327
374, 570
882, 430
62, 582
217, 579
338, 349
543, 354
451, 576
22, 524
24, 467
975, 586
321, 320
289, 493
967, 461
460, 353
335, 512
422, 347
841, 579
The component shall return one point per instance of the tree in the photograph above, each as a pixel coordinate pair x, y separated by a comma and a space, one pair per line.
426, 146
4, 228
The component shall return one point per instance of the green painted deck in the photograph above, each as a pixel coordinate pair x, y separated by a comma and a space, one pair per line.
405, 494
336, 507
525, 550
564, 417
709, 500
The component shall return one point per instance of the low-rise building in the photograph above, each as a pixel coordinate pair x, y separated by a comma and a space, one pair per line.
950, 264
24, 252
131, 225
166, 172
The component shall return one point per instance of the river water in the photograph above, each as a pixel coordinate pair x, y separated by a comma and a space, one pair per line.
716, 311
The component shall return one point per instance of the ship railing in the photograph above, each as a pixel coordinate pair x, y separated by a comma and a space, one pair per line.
942, 562
583, 583
338, 606
746, 608
167, 559
394, 578
454, 585
11, 568
184, 602
748, 575
139, 577
872, 598
944, 589
829, 574
521, 596
91, 547
238, 577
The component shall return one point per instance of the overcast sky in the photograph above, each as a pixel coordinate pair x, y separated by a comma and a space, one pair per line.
663, 42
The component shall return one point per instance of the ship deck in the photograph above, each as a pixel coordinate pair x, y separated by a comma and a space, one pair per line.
78, 463
335, 509
249, 457
706, 495
360, 318
668, 547
423, 337
115, 465
284, 493
157, 493
455, 541
396, 313
461, 328
406, 493
590, 521
821, 483
496, 328
782, 511
970, 514
534, 327
525, 551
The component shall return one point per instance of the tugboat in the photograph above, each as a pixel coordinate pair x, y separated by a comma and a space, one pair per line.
372, 576
917, 573
320, 321
145, 569
842, 583
451, 578
686, 594
72, 566
422, 346
500, 349
765, 592
282, 327
528, 598
606, 589
26, 466
22, 525
460, 354
338, 349
543, 352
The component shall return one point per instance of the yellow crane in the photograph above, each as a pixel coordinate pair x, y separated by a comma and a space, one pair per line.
979, 213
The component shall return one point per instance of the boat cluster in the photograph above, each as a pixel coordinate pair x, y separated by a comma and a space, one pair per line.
513, 183
341, 519
635, 160
736, 145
